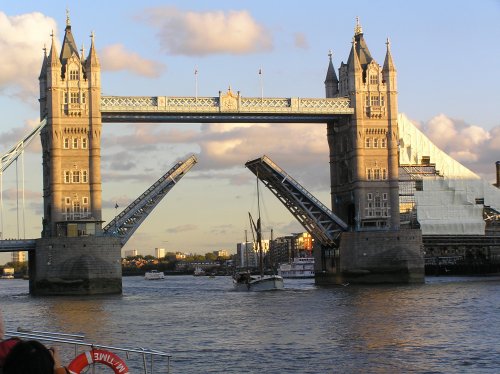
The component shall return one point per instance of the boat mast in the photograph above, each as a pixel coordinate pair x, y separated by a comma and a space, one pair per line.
259, 232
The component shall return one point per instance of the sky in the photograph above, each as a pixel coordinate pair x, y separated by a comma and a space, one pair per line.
446, 54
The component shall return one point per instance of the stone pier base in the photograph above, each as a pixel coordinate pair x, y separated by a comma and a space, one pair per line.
76, 266
372, 257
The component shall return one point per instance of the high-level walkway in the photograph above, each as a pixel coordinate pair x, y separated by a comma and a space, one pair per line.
228, 107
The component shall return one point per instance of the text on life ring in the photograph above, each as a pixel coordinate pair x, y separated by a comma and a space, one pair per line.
99, 356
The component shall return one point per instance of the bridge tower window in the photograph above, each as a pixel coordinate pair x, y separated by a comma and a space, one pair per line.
375, 142
84, 176
66, 143
76, 176
84, 97
75, 143
373, 78
382, 100
384, 174
369, 174
383, 143
374, 100
74, 98
368, 142
376, 174
85, 200
67, 176
67, 200
369, 196
367, 100
74, 75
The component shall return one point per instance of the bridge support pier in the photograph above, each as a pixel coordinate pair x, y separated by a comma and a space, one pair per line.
76, 266
371, 257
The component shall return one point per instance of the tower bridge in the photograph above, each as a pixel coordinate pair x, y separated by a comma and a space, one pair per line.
75, 254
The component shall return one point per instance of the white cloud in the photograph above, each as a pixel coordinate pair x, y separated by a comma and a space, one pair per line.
212, 32
22, 38
115, 57
300, 40
471, 145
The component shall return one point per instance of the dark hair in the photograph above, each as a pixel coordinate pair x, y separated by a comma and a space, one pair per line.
29, 356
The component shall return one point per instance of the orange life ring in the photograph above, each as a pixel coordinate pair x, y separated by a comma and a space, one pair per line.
98, 356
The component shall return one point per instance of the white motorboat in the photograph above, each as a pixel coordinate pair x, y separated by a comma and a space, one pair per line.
300, 267
154, 275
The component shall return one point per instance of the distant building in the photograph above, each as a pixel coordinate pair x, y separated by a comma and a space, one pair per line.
221, 253
180, 256
159, 252
286, 248
245, 255
131, 253
19, 256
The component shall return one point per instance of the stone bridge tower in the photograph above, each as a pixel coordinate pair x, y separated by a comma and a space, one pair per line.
363, 148
70, 95
73, 256
364, 171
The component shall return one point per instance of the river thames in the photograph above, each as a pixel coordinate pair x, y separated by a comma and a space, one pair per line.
447, 325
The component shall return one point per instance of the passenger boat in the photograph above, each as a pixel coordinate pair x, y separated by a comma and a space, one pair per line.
154, 275
300, 267
244, 281
198, 271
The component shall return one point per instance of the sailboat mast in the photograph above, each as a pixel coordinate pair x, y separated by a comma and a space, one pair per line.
259, 232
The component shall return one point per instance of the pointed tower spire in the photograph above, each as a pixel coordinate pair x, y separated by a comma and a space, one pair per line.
353, 60
331, 81
69, 46
53, 51
92, 59
43, 70
388, 63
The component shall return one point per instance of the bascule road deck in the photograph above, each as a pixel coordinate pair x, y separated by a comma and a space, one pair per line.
228, 107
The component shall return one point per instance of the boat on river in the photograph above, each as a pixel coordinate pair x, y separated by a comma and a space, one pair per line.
300, 267
245, 281
154, 275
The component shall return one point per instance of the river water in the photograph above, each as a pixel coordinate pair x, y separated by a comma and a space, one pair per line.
447, 325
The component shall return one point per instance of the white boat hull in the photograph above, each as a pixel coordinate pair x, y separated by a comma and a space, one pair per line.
260, 283
154, 275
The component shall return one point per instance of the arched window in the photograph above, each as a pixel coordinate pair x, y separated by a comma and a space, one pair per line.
66, 143
75, 143
84, 143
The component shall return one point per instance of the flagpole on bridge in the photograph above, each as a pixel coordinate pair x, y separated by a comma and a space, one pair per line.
261, 84
196, 81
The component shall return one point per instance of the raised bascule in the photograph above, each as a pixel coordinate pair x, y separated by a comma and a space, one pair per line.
358, 240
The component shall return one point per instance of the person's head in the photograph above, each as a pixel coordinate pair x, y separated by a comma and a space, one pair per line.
29, 356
